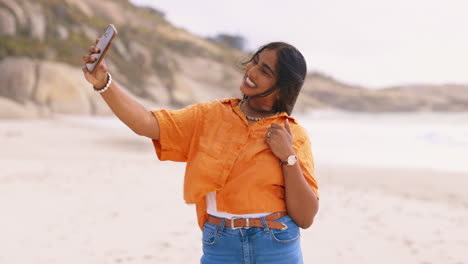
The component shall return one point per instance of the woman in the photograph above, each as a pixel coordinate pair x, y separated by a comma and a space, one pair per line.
249, 164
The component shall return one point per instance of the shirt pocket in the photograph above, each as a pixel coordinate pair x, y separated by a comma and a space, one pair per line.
213, 139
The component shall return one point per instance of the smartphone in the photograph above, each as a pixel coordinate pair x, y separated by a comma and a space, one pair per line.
103, 45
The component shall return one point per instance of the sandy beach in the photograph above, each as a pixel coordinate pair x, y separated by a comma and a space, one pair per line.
76, 190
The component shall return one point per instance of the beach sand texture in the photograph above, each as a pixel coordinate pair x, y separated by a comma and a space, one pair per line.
76, 190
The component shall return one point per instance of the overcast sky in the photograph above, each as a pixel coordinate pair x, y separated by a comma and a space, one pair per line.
373, 43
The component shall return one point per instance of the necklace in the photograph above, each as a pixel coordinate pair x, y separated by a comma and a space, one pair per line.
253, 118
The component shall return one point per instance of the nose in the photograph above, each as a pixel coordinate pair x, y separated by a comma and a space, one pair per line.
252, 72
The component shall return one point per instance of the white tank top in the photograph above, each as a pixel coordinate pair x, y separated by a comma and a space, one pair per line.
211, 209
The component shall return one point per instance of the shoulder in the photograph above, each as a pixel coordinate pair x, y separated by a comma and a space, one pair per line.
219, 103
300, 133
211, 108
206, 105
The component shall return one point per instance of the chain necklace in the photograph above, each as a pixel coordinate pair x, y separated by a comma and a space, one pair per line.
253, 118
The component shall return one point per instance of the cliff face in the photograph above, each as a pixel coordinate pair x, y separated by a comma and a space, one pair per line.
42, 42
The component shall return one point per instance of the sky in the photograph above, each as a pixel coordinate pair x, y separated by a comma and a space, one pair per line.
371, 43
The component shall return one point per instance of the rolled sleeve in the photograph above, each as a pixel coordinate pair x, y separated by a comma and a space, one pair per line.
306, 161
176, 132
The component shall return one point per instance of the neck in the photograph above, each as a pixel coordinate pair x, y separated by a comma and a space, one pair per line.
259, 107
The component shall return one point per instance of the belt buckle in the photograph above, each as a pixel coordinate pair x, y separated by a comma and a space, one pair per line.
244, 227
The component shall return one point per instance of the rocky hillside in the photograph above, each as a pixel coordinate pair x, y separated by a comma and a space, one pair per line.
42, 42
321, 91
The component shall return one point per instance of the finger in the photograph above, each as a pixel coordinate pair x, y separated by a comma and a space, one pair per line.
286, 125
89, 77
86, 58
275, 126
96, 50
86, 72
89, 59
92, 49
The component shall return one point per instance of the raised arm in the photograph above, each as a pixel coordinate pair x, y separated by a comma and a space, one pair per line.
124, 106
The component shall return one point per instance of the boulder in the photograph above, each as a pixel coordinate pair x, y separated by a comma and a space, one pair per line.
63, 89
16, 9
18, 75
7, 23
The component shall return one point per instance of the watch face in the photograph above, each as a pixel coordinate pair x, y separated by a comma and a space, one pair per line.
292, 160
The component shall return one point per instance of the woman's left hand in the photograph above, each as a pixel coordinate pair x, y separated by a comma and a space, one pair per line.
280, 140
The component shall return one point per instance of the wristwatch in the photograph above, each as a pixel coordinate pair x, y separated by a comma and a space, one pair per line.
291, 160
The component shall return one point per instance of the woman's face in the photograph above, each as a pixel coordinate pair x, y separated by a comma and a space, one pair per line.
260, 74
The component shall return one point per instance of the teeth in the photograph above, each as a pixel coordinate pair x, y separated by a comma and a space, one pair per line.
249, 82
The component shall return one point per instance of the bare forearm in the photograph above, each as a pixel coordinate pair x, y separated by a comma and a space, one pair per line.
131, 112
301, 201
126, 108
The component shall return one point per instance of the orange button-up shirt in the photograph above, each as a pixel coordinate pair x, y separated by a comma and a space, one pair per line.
226, 155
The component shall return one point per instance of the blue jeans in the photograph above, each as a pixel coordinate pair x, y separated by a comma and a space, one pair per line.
224, 245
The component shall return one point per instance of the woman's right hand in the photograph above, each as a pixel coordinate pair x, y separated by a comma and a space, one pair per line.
99, 77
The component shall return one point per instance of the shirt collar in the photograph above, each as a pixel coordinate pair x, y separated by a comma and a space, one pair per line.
234, 102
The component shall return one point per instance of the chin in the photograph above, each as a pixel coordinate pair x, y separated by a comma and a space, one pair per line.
244, 90
247, 91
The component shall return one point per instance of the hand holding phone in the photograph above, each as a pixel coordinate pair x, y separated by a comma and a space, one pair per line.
103, 45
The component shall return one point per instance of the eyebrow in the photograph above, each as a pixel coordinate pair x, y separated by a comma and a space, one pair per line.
269, 68
257, 58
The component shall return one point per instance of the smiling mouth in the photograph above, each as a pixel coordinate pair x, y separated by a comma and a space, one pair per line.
250, 82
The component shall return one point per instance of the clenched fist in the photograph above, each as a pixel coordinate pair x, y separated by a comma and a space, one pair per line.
99, 77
